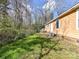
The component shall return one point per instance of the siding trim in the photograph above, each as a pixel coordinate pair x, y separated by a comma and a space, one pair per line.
77, 19
51, 28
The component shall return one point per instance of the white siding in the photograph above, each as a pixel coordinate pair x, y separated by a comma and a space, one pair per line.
51, 28
77, 19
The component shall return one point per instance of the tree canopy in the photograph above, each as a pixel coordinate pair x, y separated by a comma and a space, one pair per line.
3, 1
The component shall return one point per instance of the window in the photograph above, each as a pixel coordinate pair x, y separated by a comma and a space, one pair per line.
57, 23
77, 19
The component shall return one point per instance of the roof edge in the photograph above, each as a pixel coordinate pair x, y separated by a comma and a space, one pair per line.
64, 13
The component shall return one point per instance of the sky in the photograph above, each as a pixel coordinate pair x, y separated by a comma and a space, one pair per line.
39, 3
70, 3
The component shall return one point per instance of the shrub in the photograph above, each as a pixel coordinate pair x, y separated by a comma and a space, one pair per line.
9, 30
37, 27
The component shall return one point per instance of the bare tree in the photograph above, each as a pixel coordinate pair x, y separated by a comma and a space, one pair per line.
48, 8
22, 15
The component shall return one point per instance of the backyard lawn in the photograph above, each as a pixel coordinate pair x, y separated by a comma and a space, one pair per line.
39, 47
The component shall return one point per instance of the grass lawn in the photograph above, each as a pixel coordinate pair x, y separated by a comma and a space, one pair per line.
39, 47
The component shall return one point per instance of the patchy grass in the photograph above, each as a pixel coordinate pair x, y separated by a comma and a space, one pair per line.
39, 47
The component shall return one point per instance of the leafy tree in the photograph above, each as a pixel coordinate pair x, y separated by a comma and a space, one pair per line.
3, 1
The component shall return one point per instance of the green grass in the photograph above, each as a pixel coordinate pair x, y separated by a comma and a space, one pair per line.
36, 46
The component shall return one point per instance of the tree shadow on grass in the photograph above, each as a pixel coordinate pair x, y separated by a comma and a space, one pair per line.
15, 49
45, 43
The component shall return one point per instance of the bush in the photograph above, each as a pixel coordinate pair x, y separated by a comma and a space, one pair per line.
9, 30
37, 27
7, 35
